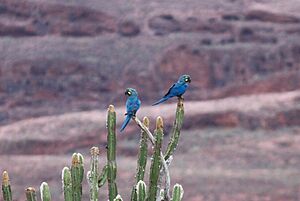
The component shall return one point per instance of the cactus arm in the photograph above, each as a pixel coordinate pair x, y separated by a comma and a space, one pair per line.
103, 176
176, 129
30, 194
164, 163
67, 184
45, 192
77, 176
177, 193
156, 161
142, 159
111, 153
141, 191
6, 189
93, 174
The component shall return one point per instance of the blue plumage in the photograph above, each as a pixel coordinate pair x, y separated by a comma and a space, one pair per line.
177, 89
132, 105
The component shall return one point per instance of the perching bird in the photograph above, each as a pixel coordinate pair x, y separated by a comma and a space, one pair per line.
176, 89
132, 105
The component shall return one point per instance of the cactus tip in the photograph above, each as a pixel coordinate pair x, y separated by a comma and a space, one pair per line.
146, 121
95, 151
159, 123
5, 178
75, 159
111, 108
30, 189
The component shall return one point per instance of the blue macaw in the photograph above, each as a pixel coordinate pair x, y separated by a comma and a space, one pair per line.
133, 103
176, 89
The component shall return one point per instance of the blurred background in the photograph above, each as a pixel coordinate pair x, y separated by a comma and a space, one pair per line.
62, 62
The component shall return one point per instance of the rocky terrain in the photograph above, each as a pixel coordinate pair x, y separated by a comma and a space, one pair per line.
63, 62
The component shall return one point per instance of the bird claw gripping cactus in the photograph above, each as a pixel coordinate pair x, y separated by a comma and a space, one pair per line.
45, 192
6, 189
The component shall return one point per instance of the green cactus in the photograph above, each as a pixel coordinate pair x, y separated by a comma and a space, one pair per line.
45, 192
142, 159
30, 194
67, 184
111, 153
118, 198
103, 176
77, 172
6, 189
156, 161
176, 129
141, 191
93, 174
177, 193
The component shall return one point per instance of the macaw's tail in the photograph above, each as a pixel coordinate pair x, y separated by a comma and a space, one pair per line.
128, 117
161, 100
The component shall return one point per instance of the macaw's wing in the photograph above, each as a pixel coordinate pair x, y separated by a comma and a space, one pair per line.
169, 92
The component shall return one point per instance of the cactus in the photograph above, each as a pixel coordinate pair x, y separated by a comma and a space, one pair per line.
72, 177
156, 161
177, 193
142, 159
103, 177
6, 189
67, 184
176, 129
77, 172
111, 153
30, 194
93, 174
45, 192
141, 191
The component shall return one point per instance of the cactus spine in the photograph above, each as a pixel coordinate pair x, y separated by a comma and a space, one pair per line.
156, 161
45, 192
77, 172
111, 153
30, 194
93, 174
67, 184
176, 129
6, 189
177, 193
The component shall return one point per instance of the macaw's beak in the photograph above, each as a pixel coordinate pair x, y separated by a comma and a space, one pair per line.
128, 92
189, 80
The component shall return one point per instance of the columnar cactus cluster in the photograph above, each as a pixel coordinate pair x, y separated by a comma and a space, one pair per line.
72, 177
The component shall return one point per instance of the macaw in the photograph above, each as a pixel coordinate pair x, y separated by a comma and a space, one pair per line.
133, 103
177, 89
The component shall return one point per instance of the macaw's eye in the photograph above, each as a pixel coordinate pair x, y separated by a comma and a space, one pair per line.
129, 93
186, 80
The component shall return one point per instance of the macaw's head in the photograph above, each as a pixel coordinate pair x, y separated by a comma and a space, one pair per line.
131, 92
185, 79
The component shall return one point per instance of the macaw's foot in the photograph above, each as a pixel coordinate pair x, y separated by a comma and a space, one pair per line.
180, 101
